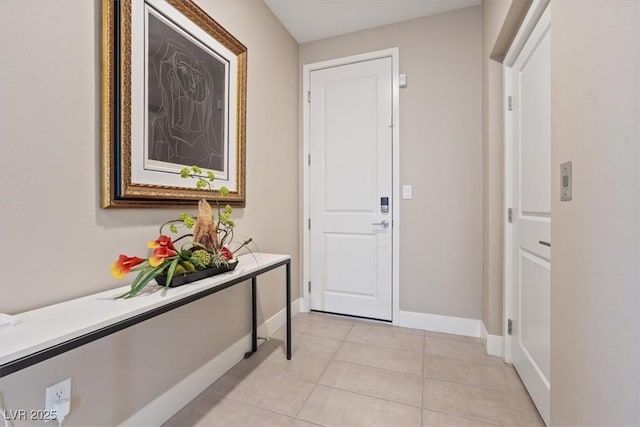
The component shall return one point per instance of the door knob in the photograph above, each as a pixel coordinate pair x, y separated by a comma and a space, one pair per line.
384, 223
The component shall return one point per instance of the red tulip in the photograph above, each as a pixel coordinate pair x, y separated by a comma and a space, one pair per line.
162, 241
225, 252
160, 254
123, 265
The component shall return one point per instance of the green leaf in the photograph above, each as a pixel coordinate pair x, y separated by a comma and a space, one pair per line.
140, 267
201, 183
173, 228
197, 263
211, 175
135, 281
148, 278
172, 270
136, 285
224, 191
187, 220
185, 173
196, 170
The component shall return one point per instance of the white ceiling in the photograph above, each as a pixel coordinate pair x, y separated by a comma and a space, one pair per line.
309, 20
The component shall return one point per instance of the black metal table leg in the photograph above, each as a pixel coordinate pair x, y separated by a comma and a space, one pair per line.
254, 314
288, 267
254, 319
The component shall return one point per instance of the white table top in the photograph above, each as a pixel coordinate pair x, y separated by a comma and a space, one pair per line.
37, 329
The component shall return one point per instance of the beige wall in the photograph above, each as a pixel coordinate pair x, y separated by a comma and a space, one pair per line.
494, 14
595, 280
440, 155
57, 243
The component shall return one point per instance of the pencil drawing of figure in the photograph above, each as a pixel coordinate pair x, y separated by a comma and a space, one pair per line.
186, 100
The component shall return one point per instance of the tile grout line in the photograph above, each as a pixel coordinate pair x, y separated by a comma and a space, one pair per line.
483, 420
424, 335
483, 387
491, 362
333, 358
423, 361
381, 346
317, 336
394, 329
378, 367
351, 391
356, 342
366, 366
505, 365
385, 348
315, 385
371, 324
453, 337
369, 396
244, 377
423, 379
254, 406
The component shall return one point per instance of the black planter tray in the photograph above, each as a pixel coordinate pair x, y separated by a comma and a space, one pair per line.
183, 279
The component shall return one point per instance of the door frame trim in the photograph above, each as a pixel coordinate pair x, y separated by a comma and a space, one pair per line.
305, 190
529, 23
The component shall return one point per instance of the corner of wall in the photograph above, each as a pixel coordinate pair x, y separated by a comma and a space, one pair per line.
493, 344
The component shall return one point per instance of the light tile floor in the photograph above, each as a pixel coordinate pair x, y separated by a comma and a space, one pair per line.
348, 372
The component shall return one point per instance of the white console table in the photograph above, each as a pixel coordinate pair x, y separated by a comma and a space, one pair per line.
49, 331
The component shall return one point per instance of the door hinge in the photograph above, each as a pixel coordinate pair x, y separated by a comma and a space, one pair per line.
309, 223
309, 96
509, 103
309, 159
510, 215
509, 327
309, 286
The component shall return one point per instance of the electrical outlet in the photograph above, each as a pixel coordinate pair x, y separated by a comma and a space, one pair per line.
57, 393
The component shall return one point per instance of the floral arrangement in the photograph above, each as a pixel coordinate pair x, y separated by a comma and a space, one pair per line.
209, 248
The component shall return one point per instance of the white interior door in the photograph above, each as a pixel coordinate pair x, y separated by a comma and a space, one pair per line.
350, 175
531, 126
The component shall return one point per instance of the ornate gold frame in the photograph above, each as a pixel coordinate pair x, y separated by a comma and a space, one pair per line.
116, 41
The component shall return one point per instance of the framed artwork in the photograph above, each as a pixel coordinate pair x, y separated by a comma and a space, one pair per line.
173, 89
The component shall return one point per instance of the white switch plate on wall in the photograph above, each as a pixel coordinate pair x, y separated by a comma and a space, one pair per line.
406, 192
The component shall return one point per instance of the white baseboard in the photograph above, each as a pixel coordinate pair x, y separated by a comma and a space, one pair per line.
493, 344
305, 305
439, 323
278, 320
168, 403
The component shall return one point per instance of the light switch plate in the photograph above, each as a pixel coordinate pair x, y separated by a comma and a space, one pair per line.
407, 192
403, 80
565, 182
